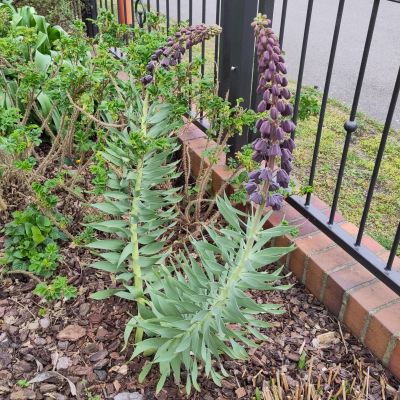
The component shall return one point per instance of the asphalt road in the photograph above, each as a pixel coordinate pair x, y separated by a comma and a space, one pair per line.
384, 59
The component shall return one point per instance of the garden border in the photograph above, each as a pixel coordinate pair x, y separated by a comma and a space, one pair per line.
368, 308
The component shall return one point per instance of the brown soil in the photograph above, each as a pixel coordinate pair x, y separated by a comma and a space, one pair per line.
94, 363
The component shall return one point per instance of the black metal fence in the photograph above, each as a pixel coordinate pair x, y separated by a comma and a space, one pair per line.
234, 53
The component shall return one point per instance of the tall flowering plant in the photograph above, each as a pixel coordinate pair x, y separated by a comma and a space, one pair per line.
171, 53
273, 149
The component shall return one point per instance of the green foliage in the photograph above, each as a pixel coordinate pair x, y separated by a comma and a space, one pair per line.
309, 103
58, 289
201, 309
23, 383
30, 242
141, 211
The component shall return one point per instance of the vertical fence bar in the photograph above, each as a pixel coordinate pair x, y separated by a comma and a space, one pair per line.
90, 12
393, 251
167, 14
302, 63
203, 44
351, 125
236, 57
133, 13
325, 96
190, 23
264, 7
112, 7
158, 6
216, 51
178, 5
378, 159
283, 23
106, 4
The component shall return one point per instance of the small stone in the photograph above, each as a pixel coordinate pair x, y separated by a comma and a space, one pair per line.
129, 396
12, 330
71, 333
59, 396
47, 388
84, 309
101, 374
26, 394
44, 323
63, 363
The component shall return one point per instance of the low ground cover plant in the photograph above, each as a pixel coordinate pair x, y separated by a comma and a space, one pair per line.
91, 159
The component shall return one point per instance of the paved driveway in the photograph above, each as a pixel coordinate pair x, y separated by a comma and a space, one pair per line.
384, 56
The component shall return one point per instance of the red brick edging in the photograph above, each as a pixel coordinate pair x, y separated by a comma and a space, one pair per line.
368, 308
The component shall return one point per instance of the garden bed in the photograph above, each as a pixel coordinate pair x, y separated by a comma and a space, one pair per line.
83, 343
125, 273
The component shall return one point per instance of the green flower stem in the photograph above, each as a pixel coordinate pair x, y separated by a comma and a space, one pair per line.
137, 272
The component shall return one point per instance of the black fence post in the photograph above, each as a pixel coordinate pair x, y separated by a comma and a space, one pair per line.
90, 13
237, 54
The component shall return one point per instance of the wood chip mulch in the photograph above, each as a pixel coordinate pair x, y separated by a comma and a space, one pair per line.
76, 347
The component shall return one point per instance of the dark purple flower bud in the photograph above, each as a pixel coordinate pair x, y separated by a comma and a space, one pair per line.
265, 128
282, 67
275, 150
280, 105
147, 79
266, 56
290, 145
256, 198
277, 49
268, 75
260, 89
283, 178
150, 67
261, 146
165, 62
286, 155
154, 57
287, 166
285, 81
266, 175
287, 125
267, 95
278, 134
263, 39
260, 49
275, 57
257, 156
262, 106
173, 62
262, 81
274, 113
278, 79
250, 187
272, 66
285, 93
189, 44
288, 110
274, 186
255, 176
275, 201
259, 123
158, 53
275, 90
271, 42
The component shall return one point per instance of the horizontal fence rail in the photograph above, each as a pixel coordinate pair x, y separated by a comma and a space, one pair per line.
235, 71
